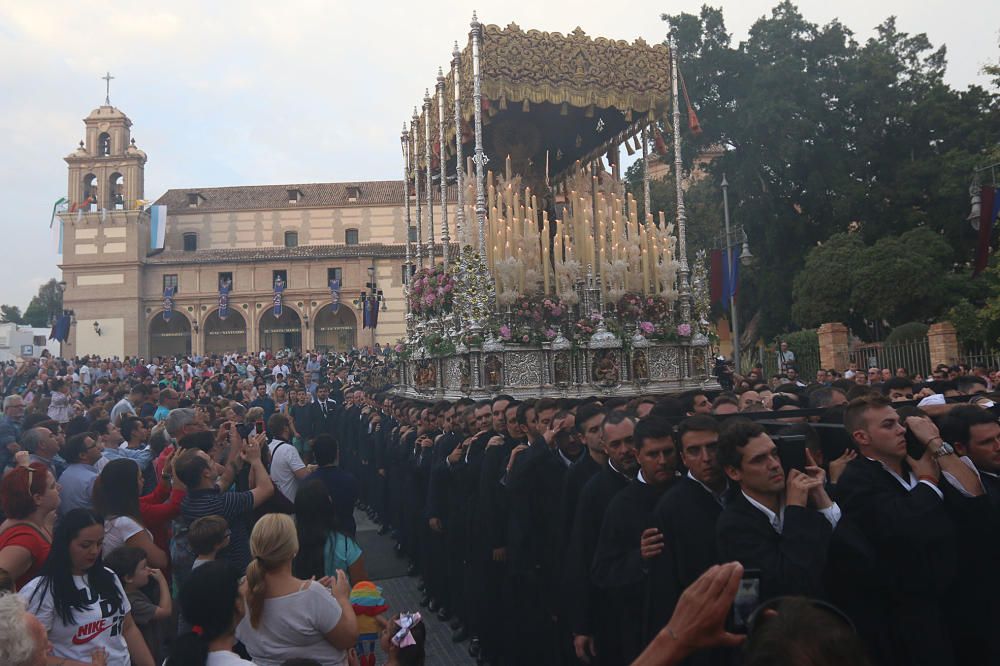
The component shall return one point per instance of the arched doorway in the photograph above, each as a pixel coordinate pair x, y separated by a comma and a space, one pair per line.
224, 336
335, 332
279, 333
169, 338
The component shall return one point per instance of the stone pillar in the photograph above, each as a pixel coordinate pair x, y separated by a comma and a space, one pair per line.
834, 345
942, 340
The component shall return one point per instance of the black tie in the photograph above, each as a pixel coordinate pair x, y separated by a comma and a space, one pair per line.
323, 405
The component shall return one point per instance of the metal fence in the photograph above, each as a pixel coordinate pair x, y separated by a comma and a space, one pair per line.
975, 355
913, 355
806, 363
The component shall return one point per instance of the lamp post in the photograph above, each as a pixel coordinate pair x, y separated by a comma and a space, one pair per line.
746, 258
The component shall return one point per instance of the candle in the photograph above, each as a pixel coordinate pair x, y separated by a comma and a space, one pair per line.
507, 169
545, 253
645, 270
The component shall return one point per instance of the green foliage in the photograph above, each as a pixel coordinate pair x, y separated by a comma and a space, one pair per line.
908, 332
821, 133
46, 304
821, 291
896, 279
804, 343
11, 314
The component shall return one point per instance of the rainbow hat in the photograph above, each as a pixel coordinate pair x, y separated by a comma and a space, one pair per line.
366, 599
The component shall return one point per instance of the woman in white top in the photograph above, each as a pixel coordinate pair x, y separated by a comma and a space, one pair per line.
212, 601
289, 617
116, 497
80, 603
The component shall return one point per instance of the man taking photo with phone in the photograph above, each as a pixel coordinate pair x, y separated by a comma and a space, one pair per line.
779, 525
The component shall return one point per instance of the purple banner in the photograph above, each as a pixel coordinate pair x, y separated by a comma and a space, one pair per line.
224, 286
279, 287
334, 296
168, 302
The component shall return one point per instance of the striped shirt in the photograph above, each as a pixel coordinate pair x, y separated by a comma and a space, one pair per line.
235, 507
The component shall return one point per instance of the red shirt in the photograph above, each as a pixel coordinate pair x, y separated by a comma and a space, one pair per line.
31, 539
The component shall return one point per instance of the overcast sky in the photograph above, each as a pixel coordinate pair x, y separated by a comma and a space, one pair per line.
257, 92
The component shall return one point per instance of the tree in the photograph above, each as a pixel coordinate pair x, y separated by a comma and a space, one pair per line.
821, 291
822, 134
46, 305
11, 314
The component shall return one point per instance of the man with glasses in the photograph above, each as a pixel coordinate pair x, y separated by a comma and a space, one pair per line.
83, 451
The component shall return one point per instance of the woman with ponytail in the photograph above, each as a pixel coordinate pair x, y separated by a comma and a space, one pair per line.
289, 617
212, 600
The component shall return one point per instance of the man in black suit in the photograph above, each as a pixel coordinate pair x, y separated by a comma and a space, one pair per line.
686, 518
782, 527
324, 413
588, 421
907, 512
629, 540
592, 623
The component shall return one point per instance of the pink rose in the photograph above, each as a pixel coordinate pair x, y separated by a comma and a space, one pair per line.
646, 327
684, 330
505, 332
549, 333
524, 338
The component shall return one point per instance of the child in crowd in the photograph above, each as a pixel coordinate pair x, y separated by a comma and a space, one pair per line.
153, 619
207, 536
403, 640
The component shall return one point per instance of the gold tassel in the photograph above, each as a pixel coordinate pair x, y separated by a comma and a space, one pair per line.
564, 109
628, 148
525, 106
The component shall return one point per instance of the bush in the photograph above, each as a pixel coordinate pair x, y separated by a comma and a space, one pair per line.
907, 332
803, 343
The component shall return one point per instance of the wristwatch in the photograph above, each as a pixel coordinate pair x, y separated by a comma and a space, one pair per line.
945, 449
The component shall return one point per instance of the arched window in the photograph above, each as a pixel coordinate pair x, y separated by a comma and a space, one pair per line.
291, 239
116, 188
351, 236
190, 241
104, 145
90, 193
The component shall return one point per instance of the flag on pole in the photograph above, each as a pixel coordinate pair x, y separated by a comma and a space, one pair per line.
989, 209
157, 227
56, 231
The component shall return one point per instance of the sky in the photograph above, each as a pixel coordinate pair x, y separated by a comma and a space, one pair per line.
240, 92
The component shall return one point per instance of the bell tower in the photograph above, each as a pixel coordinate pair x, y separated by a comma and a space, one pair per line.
105, 237
106, 171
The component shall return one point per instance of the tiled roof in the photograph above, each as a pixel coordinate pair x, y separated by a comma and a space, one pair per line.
265, 197
302, 252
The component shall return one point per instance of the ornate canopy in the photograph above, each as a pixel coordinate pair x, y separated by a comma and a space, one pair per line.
554, 97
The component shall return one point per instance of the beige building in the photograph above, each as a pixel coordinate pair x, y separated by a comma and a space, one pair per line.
307, 234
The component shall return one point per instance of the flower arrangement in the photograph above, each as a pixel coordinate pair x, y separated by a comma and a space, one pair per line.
437, 344
431, 292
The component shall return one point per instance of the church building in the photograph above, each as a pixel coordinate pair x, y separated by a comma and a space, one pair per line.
240, 268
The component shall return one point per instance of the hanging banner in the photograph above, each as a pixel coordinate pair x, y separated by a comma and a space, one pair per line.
224, 287
334, 296
279, 287
168, 302
374, 316
365, 311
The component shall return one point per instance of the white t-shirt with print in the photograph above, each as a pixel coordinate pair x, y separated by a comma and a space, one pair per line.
285, 461
226, 658
293, 626
100, 625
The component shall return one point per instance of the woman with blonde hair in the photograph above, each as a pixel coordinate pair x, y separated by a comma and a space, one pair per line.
289, 617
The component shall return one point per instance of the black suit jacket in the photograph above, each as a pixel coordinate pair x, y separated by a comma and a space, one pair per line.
914, 537
790, 563
324, 424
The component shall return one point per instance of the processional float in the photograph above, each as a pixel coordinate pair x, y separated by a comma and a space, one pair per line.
553, 283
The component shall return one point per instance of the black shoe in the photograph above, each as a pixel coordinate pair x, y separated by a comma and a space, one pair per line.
425, 601
474, 647
383, 530
460, 636
456, 624
412, 571
421, 586
434, 606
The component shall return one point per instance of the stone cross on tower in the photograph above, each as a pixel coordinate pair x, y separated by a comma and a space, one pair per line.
107, 87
